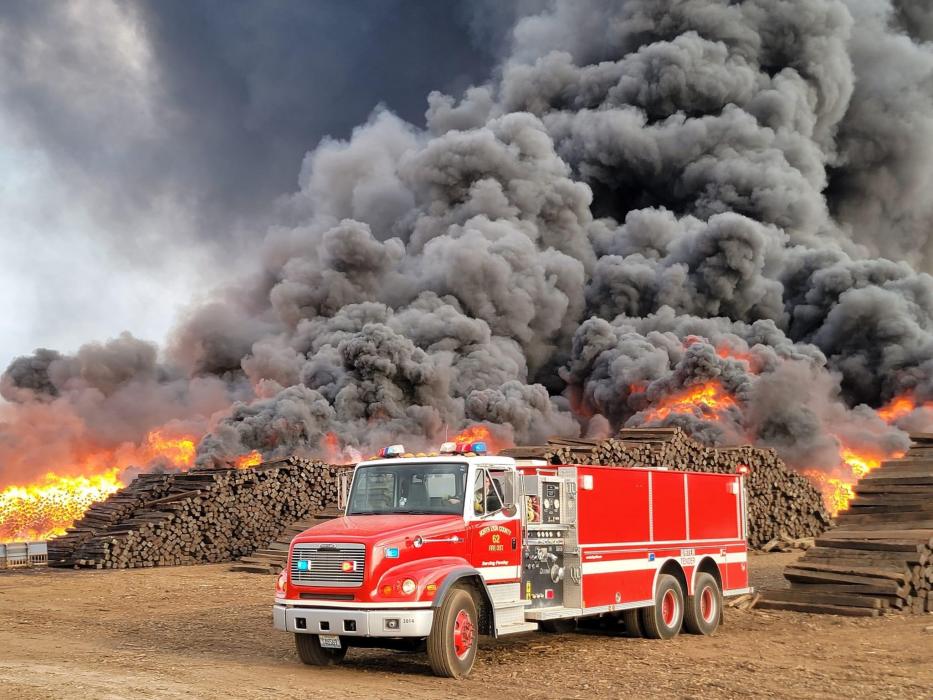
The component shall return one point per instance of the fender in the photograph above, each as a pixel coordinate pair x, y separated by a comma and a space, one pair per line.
458, 574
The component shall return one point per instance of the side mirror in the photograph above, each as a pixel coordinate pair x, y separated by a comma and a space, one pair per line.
510, 510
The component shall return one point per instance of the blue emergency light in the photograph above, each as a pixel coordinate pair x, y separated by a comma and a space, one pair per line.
392, 451
459, 448
391, 552
303, 565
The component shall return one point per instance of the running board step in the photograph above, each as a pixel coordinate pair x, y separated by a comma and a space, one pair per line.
517, 628
556, 613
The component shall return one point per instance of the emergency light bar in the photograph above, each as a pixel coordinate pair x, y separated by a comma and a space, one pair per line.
459, 448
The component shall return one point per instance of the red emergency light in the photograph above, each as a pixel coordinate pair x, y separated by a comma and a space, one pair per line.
459, 448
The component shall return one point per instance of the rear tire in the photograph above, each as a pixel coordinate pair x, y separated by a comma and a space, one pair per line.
312, 653
565, 626
454, 632
704, 608
664, 619
632, 621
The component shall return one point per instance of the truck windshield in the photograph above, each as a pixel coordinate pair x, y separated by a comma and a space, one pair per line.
427, 488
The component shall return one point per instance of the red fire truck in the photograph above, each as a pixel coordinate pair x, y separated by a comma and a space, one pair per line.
436, 550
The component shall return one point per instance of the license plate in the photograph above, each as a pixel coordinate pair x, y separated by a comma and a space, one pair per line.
329, 641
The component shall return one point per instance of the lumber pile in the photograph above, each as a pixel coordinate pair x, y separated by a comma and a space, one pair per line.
106, 514
879, 557
782, 504
271, 558
210, 515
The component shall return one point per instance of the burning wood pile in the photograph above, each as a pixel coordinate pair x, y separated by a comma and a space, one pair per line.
781, 503
879, 557
194, 517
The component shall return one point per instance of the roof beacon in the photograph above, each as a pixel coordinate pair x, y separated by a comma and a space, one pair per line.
448, 448
392, 451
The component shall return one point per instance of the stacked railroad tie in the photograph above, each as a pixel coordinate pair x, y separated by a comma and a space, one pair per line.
782, 504
879, 557
200, 516
271, 558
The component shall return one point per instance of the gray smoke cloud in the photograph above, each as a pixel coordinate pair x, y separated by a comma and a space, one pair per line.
146, 143
643, 199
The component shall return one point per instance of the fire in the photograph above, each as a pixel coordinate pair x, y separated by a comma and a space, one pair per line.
708, 398
46, 509
860, 464
901, 406
179, 451
837, 491
839, 487
248, 460
49, 506
480, 433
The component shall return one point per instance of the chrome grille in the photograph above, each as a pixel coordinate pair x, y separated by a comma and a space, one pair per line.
325, 564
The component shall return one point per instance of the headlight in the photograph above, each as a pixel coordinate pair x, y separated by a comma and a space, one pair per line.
408, 586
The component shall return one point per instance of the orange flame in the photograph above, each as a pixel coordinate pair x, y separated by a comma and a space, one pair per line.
49, 506
837, 491
46, 509
480, 433
901, 406
838, 487
179, 451
246, 461
707, 398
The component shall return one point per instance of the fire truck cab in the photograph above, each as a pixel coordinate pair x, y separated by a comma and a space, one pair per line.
436, 550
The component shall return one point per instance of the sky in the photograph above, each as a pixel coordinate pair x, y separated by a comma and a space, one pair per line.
144, 144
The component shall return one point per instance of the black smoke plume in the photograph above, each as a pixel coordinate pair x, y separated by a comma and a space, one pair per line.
646, 197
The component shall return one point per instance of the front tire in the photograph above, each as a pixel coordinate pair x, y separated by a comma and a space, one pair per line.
704, 607
312, 653
453, 640
663, 620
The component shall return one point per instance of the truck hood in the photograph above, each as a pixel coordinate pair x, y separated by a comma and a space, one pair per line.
375, 528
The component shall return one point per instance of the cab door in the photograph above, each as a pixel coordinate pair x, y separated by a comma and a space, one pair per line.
494, 537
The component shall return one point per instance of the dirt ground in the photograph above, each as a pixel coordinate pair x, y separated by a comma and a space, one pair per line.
205, 632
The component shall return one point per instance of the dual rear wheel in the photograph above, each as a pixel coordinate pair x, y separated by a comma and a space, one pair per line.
673, 610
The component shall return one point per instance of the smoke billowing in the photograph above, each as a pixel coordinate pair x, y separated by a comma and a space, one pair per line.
646, 197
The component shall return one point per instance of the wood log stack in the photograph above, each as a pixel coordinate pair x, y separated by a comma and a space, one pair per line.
199, 516
105, 514
879, 557
272, 557
781, 503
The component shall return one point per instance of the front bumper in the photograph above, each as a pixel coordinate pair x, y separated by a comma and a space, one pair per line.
353, 623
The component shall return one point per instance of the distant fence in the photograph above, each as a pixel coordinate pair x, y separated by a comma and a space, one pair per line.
16, 554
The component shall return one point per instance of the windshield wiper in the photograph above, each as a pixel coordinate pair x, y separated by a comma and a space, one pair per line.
416, 512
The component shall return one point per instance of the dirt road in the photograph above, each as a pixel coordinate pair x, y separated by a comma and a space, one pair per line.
204, 632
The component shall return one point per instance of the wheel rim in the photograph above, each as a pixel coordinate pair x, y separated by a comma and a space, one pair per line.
463, 634
669, 608
707, 605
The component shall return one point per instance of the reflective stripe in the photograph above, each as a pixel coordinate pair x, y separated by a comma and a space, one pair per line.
611, 567
686, 543
643, 564
734, 557
359, 604
499, 573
